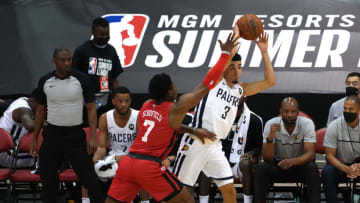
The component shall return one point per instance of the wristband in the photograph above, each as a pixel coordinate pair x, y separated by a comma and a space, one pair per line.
215, 72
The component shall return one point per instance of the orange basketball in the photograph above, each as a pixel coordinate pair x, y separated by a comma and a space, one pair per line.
250, 26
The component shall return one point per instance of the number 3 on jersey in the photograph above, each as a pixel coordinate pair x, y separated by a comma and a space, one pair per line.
224, 115
150, 125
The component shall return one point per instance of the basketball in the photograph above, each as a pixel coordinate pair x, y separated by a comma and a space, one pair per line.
249, 26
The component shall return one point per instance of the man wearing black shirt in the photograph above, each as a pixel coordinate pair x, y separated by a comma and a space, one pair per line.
99, 60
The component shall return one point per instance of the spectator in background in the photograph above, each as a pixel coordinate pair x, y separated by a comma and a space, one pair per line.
17, 120
288, 151
100, 61
352, 85
342, 149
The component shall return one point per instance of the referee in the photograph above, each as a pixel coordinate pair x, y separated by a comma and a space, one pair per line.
62, 94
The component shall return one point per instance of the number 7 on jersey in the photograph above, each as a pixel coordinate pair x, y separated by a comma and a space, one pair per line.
150, 125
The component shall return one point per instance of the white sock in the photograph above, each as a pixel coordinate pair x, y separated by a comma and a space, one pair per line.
248, 199
85, 200
204, 199
145, 201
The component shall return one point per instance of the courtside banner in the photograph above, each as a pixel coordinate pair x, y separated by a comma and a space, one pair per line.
313, 45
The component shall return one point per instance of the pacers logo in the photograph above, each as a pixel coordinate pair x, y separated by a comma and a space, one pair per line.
126, 34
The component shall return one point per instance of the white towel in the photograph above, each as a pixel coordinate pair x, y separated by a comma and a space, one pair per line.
240, 135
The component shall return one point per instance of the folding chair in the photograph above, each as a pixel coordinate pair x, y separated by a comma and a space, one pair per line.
5, 145
22, 180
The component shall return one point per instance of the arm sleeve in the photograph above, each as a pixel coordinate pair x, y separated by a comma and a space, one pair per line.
88, 90
330, 139
117, 69
309, 131
40, 94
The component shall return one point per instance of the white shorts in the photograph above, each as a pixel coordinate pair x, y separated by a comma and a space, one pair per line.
194, 157
236, 171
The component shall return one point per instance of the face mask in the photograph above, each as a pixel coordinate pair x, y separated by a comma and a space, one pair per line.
352, 91
349, 116
101, 41
289, 122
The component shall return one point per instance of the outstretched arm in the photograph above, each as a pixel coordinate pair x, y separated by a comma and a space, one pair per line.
199, 132
189, 100
269, 76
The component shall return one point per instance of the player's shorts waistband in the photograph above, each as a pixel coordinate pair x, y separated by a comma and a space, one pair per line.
144, 157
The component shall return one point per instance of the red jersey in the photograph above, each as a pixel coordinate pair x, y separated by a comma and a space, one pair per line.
155, 136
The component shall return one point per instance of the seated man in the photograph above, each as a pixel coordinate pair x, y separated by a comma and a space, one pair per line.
242, 147
342, 148
119, 127
288, 152
17, 120
352, 86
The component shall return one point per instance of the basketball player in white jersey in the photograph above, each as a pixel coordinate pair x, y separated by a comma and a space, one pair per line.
216, 113
17, 120
118, 126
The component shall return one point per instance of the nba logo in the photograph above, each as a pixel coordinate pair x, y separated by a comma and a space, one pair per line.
126, 34
92, 66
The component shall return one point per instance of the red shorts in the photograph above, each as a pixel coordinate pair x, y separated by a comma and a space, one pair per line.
135, 174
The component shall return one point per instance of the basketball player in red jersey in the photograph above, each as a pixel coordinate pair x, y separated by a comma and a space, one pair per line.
158, 120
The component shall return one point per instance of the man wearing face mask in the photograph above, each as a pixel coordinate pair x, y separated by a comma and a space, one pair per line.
352, 85
288, 152
342, 149
100, 61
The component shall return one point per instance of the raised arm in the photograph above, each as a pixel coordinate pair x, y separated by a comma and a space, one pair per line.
189, 100
269, 76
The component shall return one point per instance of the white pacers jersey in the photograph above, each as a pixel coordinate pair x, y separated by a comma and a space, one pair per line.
121, 138
216, 112
15, 129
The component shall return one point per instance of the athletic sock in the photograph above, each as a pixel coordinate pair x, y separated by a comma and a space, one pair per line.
248, 199
85, 200
204, 199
